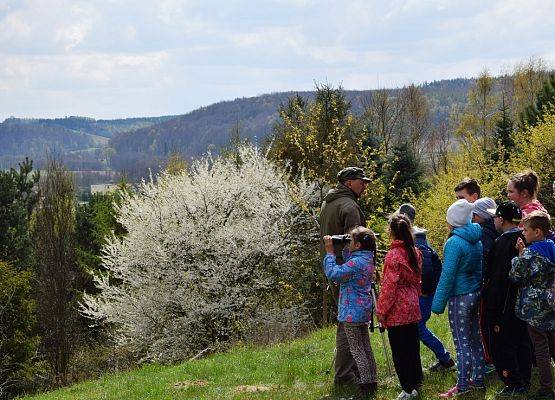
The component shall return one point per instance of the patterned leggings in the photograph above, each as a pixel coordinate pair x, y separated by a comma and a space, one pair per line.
463, 320
359, 345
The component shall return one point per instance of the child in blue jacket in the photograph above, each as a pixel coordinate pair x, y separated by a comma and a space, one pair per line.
459, 285
355, 300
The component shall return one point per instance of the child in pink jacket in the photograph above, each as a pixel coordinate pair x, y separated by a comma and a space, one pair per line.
398, 305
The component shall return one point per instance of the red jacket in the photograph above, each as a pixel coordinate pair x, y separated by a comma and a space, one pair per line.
398, 301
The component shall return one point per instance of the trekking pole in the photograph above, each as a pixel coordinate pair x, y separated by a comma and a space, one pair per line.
381, 329
332, 361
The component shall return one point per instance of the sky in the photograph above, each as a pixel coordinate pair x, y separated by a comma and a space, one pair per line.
117, 58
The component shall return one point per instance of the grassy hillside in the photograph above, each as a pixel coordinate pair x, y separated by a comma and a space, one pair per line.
295, 370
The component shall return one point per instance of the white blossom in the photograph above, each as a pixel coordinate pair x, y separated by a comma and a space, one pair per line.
203, 249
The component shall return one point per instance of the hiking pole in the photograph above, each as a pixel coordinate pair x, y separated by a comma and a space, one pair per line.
381, 329
332, 361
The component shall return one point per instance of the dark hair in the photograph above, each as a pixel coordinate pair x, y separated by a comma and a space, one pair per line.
470, 185
527, 180
399, 226
538, 220
365, 237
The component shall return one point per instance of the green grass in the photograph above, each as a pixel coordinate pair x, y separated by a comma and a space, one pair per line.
294, 370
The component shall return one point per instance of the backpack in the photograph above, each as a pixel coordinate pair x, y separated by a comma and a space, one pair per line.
431, 269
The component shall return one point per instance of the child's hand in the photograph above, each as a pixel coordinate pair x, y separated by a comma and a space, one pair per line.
520, 246
328, 243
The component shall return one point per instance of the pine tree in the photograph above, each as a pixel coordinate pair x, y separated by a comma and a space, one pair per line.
534, 113
504, 130
403, 175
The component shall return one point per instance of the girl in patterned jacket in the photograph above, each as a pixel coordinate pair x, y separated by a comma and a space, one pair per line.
355, 301
398, 305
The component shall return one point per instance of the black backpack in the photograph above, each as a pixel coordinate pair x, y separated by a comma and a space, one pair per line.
431, 269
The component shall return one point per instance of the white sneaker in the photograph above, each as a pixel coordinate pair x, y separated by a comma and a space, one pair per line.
405, 396
414, 393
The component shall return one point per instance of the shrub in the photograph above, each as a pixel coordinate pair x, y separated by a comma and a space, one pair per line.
204, 250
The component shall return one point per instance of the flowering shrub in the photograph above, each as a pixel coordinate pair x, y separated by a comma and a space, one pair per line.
204, 250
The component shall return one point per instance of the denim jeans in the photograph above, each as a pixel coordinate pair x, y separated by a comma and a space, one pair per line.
464, 324
426, 336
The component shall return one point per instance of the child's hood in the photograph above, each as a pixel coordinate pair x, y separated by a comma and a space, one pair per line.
471, 232
545, 248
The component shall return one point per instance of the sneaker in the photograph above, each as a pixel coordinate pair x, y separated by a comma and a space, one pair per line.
442, 366
406, 396
512, 391
453, 392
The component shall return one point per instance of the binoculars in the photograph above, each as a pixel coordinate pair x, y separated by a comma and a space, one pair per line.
341, 239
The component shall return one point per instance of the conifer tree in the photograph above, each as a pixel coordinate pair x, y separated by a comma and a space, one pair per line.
533, 114
403, 175
504, 130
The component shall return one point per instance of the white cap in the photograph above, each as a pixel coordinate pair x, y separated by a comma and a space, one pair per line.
459, 213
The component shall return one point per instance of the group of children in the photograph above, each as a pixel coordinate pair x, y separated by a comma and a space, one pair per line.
497, 281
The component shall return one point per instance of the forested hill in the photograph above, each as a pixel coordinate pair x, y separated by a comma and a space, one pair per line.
80, 141
193, 133
135, 144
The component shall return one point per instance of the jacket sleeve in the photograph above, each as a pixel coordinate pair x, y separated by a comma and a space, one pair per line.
446, 283
388, 290
520, 270
339, 273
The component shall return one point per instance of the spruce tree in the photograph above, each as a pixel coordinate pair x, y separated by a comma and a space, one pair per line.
403, 175
533, 114
503, 134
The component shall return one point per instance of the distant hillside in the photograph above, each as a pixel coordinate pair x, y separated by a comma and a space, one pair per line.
135, 145
79, 141
209, 127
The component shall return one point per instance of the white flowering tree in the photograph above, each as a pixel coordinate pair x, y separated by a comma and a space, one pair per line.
204, 250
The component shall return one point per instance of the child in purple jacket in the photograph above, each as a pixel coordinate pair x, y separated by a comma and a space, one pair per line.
355, 300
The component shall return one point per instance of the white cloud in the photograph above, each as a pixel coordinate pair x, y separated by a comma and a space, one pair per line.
13, 26
71, 36
191, 53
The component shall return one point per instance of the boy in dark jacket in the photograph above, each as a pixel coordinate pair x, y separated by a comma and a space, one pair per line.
509, 341
431, 271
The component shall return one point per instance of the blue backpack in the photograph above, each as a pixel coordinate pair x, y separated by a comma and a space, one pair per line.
431, 269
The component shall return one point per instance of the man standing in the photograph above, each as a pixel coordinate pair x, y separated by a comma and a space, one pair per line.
340, 213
